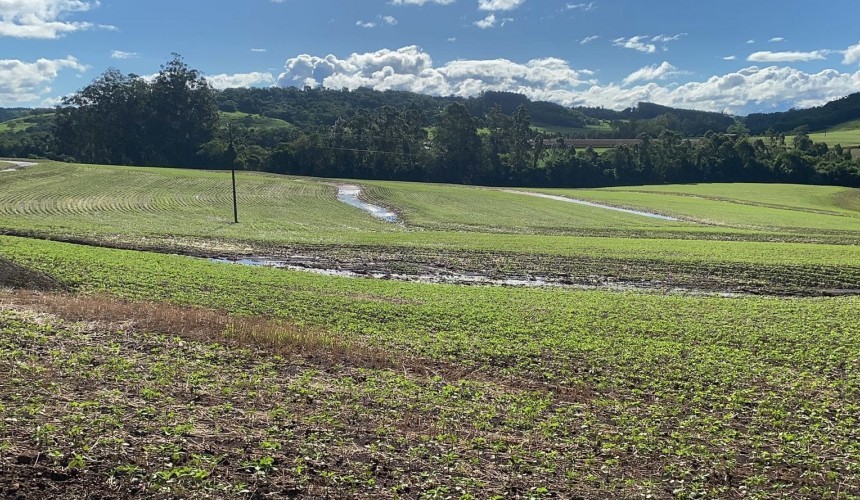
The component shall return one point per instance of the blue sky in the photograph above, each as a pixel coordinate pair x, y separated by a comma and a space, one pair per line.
733, 56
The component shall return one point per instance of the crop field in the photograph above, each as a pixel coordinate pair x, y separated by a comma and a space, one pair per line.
444, 229
716, 356
779, 208
453, 391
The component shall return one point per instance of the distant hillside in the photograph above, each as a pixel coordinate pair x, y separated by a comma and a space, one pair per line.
315, 108
25, 132
832, 114
7, 114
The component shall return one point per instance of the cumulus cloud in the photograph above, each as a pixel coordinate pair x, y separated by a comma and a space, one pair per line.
730, 58
639, 43
589, 39
410, 68
365, 24
487, 22
499, 4
42, 18
236, 80
776, 39
23, 82
663, 71
852, 54
792, 56
121, 54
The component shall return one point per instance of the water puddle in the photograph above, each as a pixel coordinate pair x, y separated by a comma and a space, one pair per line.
592, 204
349, 194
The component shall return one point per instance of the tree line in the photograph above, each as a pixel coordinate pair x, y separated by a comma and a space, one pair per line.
505, 150
173, 119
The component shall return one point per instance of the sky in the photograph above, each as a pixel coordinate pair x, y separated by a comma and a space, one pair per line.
732, 56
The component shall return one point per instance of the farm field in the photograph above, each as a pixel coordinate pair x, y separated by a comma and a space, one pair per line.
492, 390
445, 230
780, 208
713, 356
845, 134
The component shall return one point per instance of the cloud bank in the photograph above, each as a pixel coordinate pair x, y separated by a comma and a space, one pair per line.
410, 68
42, 18
22, 82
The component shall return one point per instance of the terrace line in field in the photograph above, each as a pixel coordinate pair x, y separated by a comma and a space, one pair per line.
592, 204
349, 194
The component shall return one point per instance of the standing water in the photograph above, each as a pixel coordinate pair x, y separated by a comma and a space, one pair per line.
349, 194
592, 204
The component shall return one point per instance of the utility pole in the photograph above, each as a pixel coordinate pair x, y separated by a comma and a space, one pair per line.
231, 157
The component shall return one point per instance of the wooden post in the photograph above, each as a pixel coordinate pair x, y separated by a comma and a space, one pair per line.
231, 157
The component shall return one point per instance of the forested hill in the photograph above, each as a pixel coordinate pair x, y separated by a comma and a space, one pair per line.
818, 118
313, 108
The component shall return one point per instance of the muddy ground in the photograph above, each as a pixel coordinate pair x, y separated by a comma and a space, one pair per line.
516, 269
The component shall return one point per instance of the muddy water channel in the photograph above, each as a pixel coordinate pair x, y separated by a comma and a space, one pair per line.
299, 263
350, 194
438, 276
592, 204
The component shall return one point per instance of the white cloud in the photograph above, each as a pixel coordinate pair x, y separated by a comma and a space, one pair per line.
776, 39
666, 38
224, 81
410, 68
589, 39
852, 54
121, 54
25, 82
770, 57
487, 22
495, 5
580, 6
259, 50
636, 43
452, 39
730, 58
421, 2
42, 18
389, 20
750, 41
654, 72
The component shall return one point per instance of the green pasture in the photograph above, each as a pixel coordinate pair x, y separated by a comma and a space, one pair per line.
23, 123
766, 207
847, 134
246, 120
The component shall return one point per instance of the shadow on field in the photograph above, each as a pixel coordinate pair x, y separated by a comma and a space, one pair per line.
16, 276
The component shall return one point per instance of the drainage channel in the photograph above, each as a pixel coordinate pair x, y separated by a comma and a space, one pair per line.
17, 165
350, 194
473, 279
592, 204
